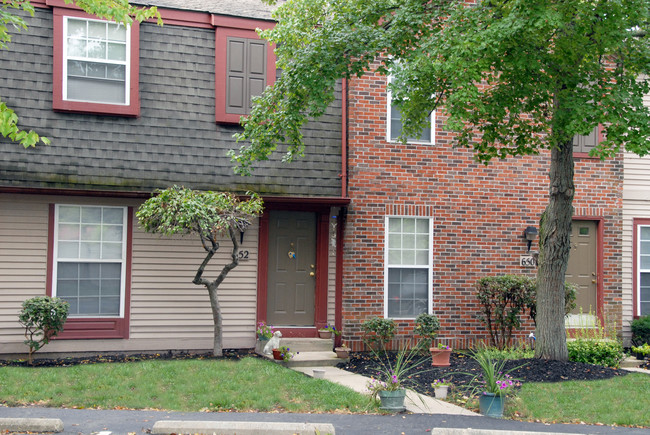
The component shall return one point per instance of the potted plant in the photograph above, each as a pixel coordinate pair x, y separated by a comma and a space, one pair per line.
440, 355
641, 352
283, 354
342, 351
494, 385
327, 331
264, 333
440, 388
393, 378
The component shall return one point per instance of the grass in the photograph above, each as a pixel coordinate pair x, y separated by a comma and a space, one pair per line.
183, 385
621, 401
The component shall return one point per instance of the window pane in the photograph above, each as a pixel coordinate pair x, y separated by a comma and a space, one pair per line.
76, 68
408, 257
394, 256
408, 225
69, 249
109, 306
112, 233
90, 250
91, 215
67, 271
77, 28
111, 271
394, 225
67, 287
645, 247
422, 258
68, 232
116, 72
111, 251
74, 307
407, 292
112, 215
95, 70
116, 32
69, 214
96, 90
645, 233
116, 52
76, 48
645, 308
396, 127
91, 232
110, 287
645, 279
88, 287
394, 241
96, 50
89, 306
423, 226
408, 241
645, 262
97, 29
89, 270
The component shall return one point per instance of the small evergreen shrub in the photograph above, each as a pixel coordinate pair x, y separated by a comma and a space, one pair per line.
427, 326
379, 329
608, 353
641, 330
43, 318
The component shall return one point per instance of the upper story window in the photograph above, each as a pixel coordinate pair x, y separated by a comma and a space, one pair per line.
585, 143
96, 61
244, 64
394, 125
96, 65
408, 266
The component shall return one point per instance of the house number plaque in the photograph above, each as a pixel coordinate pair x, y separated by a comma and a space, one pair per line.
528, 261
243, 255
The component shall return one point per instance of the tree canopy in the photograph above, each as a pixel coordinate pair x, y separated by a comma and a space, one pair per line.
513, 77
115, 10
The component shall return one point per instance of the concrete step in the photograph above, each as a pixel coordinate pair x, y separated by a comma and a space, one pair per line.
309, 359
631, 362
308, 344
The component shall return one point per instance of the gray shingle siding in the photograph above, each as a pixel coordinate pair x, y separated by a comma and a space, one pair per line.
174, 141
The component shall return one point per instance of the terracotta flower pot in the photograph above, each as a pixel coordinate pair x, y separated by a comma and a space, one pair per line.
440, 357
277, 354
342, 352
324, 333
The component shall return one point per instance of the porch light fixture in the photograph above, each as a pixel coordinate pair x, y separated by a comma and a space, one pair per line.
530, 234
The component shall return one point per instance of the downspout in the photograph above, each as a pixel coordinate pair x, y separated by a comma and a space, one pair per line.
338, 284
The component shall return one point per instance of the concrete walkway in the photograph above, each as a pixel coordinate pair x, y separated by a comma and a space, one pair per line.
415, 403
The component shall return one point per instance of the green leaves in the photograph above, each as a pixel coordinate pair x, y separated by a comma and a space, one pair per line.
9, 128
513, 76
178, 210
43, 318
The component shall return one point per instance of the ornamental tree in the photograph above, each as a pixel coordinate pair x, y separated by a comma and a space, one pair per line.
515, 77
43, 318
211, 216
116, 10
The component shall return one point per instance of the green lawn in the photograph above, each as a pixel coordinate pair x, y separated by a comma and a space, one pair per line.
623, 401
182, 385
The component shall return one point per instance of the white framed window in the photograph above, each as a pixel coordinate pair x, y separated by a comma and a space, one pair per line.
643, 270
90, 259
96, 67
394, 124
408, 266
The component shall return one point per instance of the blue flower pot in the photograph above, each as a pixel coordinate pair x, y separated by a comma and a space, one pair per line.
491, 405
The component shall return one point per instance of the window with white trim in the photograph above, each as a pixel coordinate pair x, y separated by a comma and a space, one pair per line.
408, 270
394, 124
96, 61
643, 279
90, 259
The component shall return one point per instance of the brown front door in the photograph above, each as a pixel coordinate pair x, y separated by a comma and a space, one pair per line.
582, 265
291, 268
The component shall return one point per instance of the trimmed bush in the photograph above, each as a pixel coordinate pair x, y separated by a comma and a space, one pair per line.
427, 326
43, 318
379, 329
641, 330
608, 353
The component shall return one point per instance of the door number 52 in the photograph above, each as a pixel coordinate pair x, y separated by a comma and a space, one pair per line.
243, 255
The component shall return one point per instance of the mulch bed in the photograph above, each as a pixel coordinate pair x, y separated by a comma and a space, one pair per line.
229, 354
463, 370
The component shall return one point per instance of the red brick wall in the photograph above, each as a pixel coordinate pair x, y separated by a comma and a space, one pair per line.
479, 215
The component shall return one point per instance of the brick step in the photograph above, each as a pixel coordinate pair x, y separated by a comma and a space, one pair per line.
631, 362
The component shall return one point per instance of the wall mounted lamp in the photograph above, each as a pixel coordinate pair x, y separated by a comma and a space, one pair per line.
530, 234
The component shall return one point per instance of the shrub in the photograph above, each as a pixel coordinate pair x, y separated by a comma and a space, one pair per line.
427, 325
505, 298
641, 330
43, 318
608, 353
379, 329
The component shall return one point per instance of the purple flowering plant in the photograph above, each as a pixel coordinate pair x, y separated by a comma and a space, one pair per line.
331, 329
286, 353
393, 375
494, 379
264, 331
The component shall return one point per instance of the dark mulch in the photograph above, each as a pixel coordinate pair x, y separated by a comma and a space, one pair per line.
463, 369
229, 354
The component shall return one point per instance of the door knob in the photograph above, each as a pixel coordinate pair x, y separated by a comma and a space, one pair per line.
311, 274
593, 281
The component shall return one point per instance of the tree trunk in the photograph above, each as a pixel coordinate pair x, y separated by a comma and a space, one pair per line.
212, 286
554, 241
